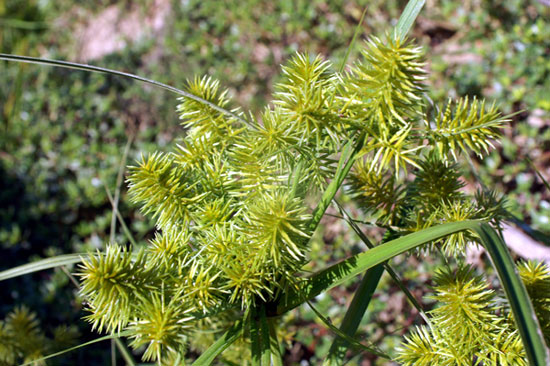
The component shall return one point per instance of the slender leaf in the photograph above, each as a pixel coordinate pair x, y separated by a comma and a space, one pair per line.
354, 314
260, 338
52, 262
353, 39
119, 217
265, 339
107, 337
351, 267
126, 355
102, 70
120, 175
408, 17
255, 342
220, 345
532, 232
537, 171
524, 315
113, 352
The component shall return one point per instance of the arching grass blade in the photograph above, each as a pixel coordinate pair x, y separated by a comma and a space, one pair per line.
524, 315
220, 345
408, 17
343, 271
52, 262
111, 336
102, 70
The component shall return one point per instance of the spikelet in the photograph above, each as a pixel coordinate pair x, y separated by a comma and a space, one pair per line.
304, 96
163, 190
470, 127
110, 283
536, 277
201, 119
160, 325
375, 193
277, 222
387, 84
436, 182
467, 327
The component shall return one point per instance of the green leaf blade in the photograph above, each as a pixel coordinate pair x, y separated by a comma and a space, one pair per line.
408, 17
343, 271
354, 315
102, 70
107, 337
230, 336
524, 314
48, 263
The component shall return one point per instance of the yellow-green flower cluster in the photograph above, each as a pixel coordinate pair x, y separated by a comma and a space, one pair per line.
229, 201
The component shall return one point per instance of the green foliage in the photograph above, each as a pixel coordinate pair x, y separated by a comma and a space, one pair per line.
470, 325
387, 82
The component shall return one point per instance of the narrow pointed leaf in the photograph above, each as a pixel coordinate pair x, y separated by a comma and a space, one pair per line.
111, 336
230, 336
344, 336
532, 232
255, 346
265, 340
353, 39
126, 355
537, 171
351, 267
102, 70
276, 355
386, 265
347, 158
52, 262
354, 315
408, 17
524, 315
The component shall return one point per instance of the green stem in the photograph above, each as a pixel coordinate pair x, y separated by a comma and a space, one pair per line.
344, 166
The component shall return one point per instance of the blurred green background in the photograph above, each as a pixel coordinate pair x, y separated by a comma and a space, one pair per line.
63, 132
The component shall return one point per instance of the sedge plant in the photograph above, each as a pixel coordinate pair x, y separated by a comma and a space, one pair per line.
233, 218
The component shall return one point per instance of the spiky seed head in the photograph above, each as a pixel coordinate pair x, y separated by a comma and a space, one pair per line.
469, 126
465, 300
164, 190
536, 277
374, 192
304, 97
201, 119
436, 181
277, 222
160, 325
388, 82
